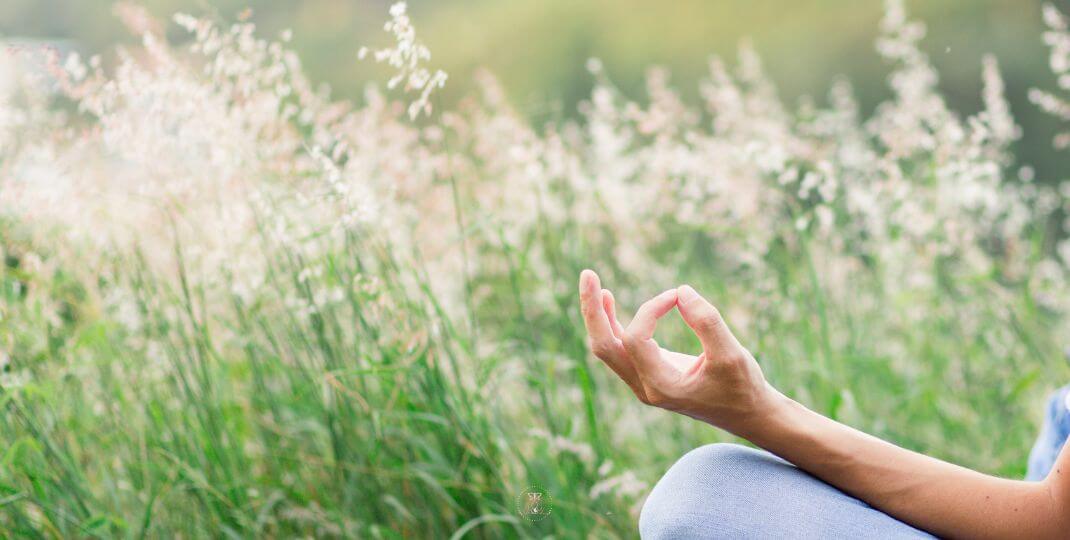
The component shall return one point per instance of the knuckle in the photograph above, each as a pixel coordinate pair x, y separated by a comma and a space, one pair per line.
736, 359
601, 349
733, 360
710, 319
642, 396
655, 399
648, 394
741, 355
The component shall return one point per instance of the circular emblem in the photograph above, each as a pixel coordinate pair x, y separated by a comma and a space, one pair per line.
534, 503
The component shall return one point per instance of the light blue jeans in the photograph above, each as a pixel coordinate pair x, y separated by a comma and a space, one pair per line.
731, 491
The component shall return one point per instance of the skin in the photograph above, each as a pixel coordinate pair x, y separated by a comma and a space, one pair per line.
725, 388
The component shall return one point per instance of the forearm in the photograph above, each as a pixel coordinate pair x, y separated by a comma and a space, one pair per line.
725, 387
942, 498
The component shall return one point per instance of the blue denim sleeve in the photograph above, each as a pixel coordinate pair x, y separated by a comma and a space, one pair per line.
1053, 435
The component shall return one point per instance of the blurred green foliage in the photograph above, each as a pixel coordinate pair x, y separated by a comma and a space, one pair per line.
538, 48
378, 415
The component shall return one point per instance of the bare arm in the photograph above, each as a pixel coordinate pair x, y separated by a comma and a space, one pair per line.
724, 386
942, 498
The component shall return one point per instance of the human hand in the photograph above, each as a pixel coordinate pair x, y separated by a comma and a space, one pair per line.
723, 386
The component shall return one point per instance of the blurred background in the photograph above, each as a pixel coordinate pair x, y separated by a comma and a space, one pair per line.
192, 362
538, 48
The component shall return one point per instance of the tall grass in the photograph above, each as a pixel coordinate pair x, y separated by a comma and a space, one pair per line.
231, 307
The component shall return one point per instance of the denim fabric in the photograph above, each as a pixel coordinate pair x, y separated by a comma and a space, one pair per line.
730, 491
1052, 435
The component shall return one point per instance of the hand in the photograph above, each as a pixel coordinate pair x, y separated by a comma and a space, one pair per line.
722, 386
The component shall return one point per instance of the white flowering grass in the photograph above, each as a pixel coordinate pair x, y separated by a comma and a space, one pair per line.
408, 57
231, 305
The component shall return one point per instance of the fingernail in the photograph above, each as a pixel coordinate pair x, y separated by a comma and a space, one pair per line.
686, 293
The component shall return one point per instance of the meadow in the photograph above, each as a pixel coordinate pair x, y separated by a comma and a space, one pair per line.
234, 306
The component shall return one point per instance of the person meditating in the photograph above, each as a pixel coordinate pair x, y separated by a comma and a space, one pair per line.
817, 478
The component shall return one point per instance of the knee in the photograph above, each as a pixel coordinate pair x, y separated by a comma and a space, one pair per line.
709, 483
1057, 418
718, 460
1059, 407
1053, 435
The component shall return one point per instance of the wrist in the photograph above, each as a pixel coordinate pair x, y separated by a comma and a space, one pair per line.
769, 415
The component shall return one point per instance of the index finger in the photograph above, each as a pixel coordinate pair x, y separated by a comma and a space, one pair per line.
646, 318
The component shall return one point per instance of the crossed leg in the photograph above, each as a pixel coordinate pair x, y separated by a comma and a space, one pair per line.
731, 491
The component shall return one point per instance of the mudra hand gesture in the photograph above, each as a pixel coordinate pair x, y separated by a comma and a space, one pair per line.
723, 386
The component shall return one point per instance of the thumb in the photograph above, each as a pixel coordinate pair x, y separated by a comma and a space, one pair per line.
706, 321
